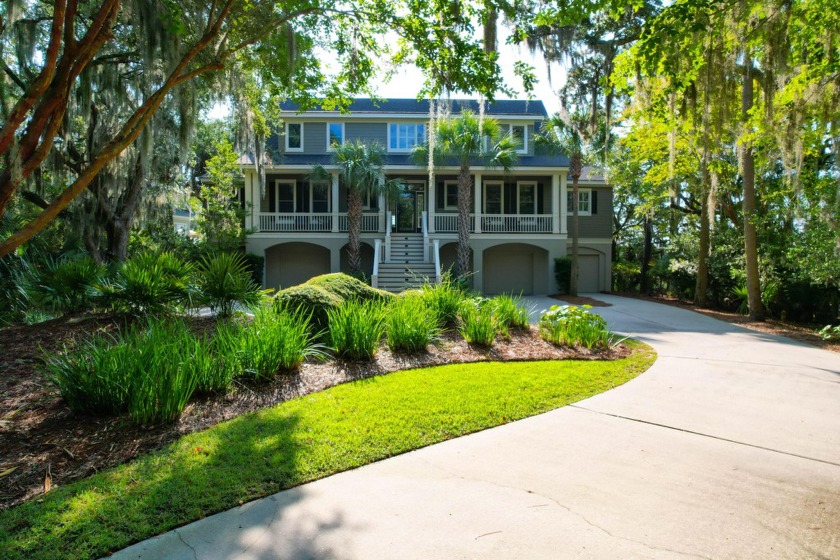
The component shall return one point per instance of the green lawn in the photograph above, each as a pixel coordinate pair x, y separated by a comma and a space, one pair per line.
295, 442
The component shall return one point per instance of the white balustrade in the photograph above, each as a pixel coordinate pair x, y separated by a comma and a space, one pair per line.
370, 222
287, 221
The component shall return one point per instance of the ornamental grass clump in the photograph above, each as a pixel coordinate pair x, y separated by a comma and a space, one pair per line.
477, 321
510, 314
574, 326
94, 376
150, 372
277, 340
410, 325
219, 360
356, 329
444, 300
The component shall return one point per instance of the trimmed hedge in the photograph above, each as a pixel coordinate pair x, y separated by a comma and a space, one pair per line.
348, 287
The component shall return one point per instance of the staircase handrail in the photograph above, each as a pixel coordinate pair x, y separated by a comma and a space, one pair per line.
377, 254
387, 256
436, 250
426, 243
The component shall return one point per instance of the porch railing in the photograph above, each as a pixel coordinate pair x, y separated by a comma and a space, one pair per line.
294, 222
498, 223
370, 222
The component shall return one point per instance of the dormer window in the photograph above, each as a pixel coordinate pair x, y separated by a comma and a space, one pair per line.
520, 137
294, 137
402, 137
335, 135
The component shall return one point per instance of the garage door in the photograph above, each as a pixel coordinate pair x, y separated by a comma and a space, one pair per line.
294, 263
589, 276
508, 272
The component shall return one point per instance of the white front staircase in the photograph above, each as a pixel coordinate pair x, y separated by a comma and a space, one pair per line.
407, 266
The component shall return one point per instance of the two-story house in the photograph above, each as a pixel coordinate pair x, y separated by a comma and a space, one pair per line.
519, 223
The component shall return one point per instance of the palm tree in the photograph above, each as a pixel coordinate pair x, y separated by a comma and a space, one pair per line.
561, 136
463, 141
361, 172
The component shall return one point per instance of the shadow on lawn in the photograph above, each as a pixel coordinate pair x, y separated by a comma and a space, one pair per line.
196, 476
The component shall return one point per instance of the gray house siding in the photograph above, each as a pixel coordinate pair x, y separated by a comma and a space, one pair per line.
315, 137
599, 225
367, 132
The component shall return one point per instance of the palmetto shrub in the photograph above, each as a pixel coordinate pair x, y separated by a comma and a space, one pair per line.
62, 285
356, 329
574, 326
149, 283
444, 300
276, 340
477, 321
223, 280
410, 325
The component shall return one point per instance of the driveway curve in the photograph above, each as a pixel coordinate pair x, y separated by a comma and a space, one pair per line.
728, 447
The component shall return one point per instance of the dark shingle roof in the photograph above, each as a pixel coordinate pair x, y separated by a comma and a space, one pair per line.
501, 107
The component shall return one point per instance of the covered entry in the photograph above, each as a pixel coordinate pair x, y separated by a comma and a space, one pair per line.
513, 268
290, 264
407, 209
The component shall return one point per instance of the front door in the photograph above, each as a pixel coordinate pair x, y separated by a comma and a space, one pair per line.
408, 208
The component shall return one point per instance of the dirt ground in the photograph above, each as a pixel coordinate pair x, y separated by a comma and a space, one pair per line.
40, 435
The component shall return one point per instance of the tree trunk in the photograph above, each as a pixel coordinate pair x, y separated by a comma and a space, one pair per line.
748, 180
464, 205
354, 226
701, 289
647, 255
575, 170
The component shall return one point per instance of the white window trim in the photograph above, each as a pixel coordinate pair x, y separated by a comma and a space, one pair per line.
312, 197
388, 139
277, 183
446, 185
519, 185
286, 134
502, 201
343, 136
524, 148
570, 211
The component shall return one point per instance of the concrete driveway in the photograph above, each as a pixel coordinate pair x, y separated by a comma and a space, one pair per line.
728, 447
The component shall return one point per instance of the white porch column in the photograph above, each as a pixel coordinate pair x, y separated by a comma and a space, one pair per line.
334, 202
555, 203
563, 210
249, 199
431, 210
382, 213
477, 202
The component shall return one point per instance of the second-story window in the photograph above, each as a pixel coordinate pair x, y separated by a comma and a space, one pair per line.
402, 137
584, 202
520, 138
335, 135
294, 137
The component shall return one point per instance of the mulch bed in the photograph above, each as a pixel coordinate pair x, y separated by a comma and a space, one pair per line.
39, 434
800, 332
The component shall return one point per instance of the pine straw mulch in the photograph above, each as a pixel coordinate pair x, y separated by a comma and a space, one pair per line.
40, 435
801, 332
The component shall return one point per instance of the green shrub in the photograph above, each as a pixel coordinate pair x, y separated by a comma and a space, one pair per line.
626, 275
223, 280
256, 266
477, 322
347, 287
829, 333
563, 273
356, 329
509, 313
168, 363
574, 326
219, 360
742, 298
410, 325
312, 301
62, 285
94, 376
444, 300
276, 340
150, 371
149, 283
